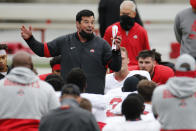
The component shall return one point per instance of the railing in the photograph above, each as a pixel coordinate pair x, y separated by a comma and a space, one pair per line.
58, 16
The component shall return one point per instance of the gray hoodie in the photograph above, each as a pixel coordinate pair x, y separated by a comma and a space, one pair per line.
182, 87
22, 75
24, 96
175, 103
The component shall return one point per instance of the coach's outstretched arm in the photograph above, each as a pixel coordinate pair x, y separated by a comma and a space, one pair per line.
36, 46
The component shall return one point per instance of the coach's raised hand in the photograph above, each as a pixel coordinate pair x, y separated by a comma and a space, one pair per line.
26, 33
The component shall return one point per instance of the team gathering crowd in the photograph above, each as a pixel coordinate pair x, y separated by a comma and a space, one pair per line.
111, 82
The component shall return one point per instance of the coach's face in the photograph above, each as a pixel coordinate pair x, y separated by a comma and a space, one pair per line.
87, 24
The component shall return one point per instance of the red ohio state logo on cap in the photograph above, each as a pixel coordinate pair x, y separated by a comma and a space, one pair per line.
92, 50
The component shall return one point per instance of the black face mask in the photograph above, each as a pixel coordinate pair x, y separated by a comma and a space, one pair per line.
85, 35
126, 22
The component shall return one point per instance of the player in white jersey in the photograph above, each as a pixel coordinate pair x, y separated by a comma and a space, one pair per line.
142, 125
116, 79
118, 88
114, 100
132, 108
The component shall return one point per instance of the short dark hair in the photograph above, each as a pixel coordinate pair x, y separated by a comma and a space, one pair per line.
77, 76
55, 60
3, 46
70, 89
146, 53
56, 81
145, 89
130, 84
132, 106
84, 13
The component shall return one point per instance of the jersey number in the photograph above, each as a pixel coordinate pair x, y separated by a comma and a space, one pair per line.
113, 103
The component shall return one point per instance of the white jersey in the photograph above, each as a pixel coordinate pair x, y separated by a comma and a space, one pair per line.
98, 105
148, 114
115, 119
114, 101
141, 125
112, 83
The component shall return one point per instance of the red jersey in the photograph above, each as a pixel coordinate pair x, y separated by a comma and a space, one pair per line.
161, 73
135, 41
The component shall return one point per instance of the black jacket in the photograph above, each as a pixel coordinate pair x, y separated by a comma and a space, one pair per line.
92, 57
73, 118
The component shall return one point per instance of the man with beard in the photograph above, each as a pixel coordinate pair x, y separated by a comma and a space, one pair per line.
146, 61
3, 61
134, 36
80, 49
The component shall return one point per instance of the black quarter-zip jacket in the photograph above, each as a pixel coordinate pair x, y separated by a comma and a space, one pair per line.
91, 56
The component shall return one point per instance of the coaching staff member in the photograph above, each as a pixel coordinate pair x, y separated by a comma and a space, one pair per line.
80, 49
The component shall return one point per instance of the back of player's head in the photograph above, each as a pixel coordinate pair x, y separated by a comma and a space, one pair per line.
130, 84
83, 13
22, 59
71, 90
132, 106
145, 88
146, 53
56, 81
86, 104
76, 76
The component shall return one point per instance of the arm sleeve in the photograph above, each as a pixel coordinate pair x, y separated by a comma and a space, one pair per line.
177, 31
36, 46
45, 50
113, 60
